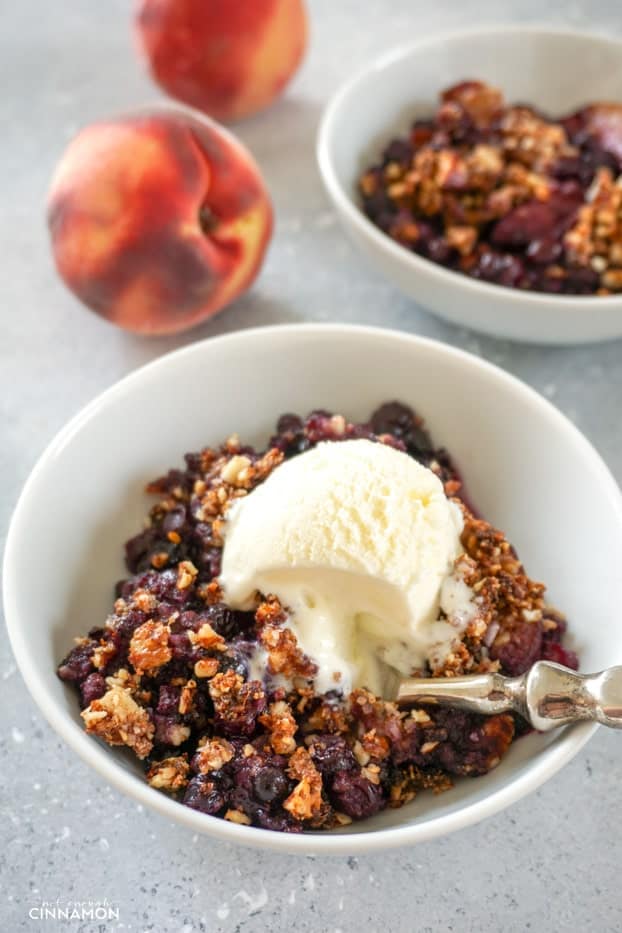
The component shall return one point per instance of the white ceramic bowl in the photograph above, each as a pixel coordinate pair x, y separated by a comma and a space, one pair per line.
527, 468
556, 70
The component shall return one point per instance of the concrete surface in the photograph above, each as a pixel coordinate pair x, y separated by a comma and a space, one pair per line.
550, 863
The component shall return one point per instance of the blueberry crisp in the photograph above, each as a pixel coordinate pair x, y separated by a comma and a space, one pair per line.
507, 194
222, 704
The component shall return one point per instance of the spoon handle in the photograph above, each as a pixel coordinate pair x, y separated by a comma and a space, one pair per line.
547, 696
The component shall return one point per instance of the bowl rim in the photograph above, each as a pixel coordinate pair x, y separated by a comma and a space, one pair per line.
346, 203
568, 742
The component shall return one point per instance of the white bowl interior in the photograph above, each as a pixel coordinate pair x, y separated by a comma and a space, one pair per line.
556, 71
525, 466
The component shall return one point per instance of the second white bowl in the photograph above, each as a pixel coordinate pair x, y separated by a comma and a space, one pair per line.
557, 71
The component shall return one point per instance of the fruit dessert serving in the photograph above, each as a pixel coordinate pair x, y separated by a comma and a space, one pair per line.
275, 598
506, 194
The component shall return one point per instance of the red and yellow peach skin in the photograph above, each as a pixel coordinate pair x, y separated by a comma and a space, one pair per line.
229, 59
158, 220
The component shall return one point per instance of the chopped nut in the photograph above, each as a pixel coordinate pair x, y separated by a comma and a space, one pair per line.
207, 638
306, 798
206, 667
481, 102
102, 654
338, 425
123, 678
462, 239
376, 745
170, 774
218, 527
186, 698
236, 816
343, 819
360, 754
224, 684
532, 615
398, 190
233, 471
186, 574
211, 593
270, 612
372, 773
232, 444
159, 560
612, 279
420, 716
177, 733
149, 648
326, 717
262, 468
214, 754
393, 171
368, 183
143, 600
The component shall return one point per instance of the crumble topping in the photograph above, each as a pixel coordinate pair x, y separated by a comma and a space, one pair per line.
270, 612
119, 720
235, 699
226, 686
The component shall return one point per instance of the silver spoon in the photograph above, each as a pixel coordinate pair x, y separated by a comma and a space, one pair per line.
547, 696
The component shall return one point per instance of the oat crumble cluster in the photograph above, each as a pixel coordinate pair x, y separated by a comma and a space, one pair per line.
169, 672
505, 194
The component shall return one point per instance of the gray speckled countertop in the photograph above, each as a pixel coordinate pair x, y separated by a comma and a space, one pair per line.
550, 863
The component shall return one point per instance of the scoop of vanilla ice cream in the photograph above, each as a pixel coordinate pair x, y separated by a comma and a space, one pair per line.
357, 540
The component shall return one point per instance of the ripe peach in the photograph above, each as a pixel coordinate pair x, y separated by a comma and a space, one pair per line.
229, 59
158, 220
